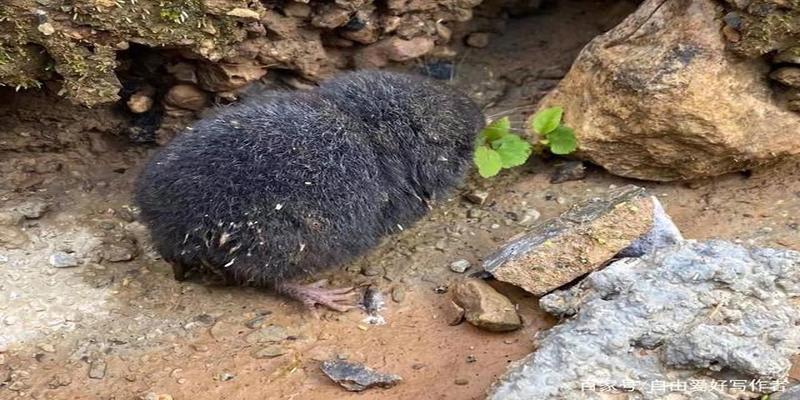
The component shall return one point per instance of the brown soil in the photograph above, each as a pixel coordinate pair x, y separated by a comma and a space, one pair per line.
156, 335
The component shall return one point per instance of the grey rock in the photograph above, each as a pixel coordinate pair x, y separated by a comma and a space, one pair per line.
61, 259
568, 171
33, 209
668, 316
791, 393
97, 369
356, 377
459, 266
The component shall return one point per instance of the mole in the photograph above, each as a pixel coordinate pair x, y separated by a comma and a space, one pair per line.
280, 186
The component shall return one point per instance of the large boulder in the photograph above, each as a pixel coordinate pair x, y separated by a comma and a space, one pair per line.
659, 98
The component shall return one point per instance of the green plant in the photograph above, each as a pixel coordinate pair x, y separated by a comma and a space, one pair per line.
559, 138
499, 149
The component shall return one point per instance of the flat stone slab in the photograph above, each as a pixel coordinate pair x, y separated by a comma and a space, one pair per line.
582, 239
696, 320
356, 377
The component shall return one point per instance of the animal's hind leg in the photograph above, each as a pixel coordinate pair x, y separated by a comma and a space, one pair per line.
179, 270
338, 299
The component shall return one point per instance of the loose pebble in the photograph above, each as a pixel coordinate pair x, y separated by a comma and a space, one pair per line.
61, 259
459, 266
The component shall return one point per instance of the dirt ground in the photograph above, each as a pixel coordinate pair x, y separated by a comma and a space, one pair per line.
118, 326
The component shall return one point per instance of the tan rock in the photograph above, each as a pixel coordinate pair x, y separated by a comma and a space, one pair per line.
789, 76
579, 241
330, 16
659, 98
297, 10
141, 101
484, 307
226, 77
243, 13
453, 313
393, 49
478, 40
187, 97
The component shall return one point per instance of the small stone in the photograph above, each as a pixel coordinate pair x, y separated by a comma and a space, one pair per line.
183, 72
478, 40
257, 322
200, 348
475, 213
461, 382
154, 396
330, 16
59, 380
226, 376
477, 197
97, 369
459, 266
471, 359
372, 270
529, 217
356, 377
568, 171
243, 13
269, 352
789, 56
117, 253
33, 209
271, 333
398, 294
141, 101
61, 259
393, 49
417, 366
186, 96
47, 348
485, 308
561, 200
297, 10
453, 313
789, 76
46, 29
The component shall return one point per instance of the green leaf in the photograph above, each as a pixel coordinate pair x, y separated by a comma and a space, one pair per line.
562, 140
496, 129
513, 150
547, 120
488, 161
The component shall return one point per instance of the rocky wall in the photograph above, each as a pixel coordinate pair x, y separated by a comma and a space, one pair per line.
82, 49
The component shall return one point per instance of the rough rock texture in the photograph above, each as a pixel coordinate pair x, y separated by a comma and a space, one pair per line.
356, 377
676, 315
758, 27
581, 240
81, 44
484, 307
659, 98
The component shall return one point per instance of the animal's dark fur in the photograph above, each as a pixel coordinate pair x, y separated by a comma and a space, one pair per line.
288, 183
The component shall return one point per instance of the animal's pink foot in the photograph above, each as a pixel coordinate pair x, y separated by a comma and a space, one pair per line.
338, 299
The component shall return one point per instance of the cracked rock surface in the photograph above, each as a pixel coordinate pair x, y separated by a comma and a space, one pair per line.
689, 312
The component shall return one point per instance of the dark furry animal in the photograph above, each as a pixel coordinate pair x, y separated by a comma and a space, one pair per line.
289, 183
